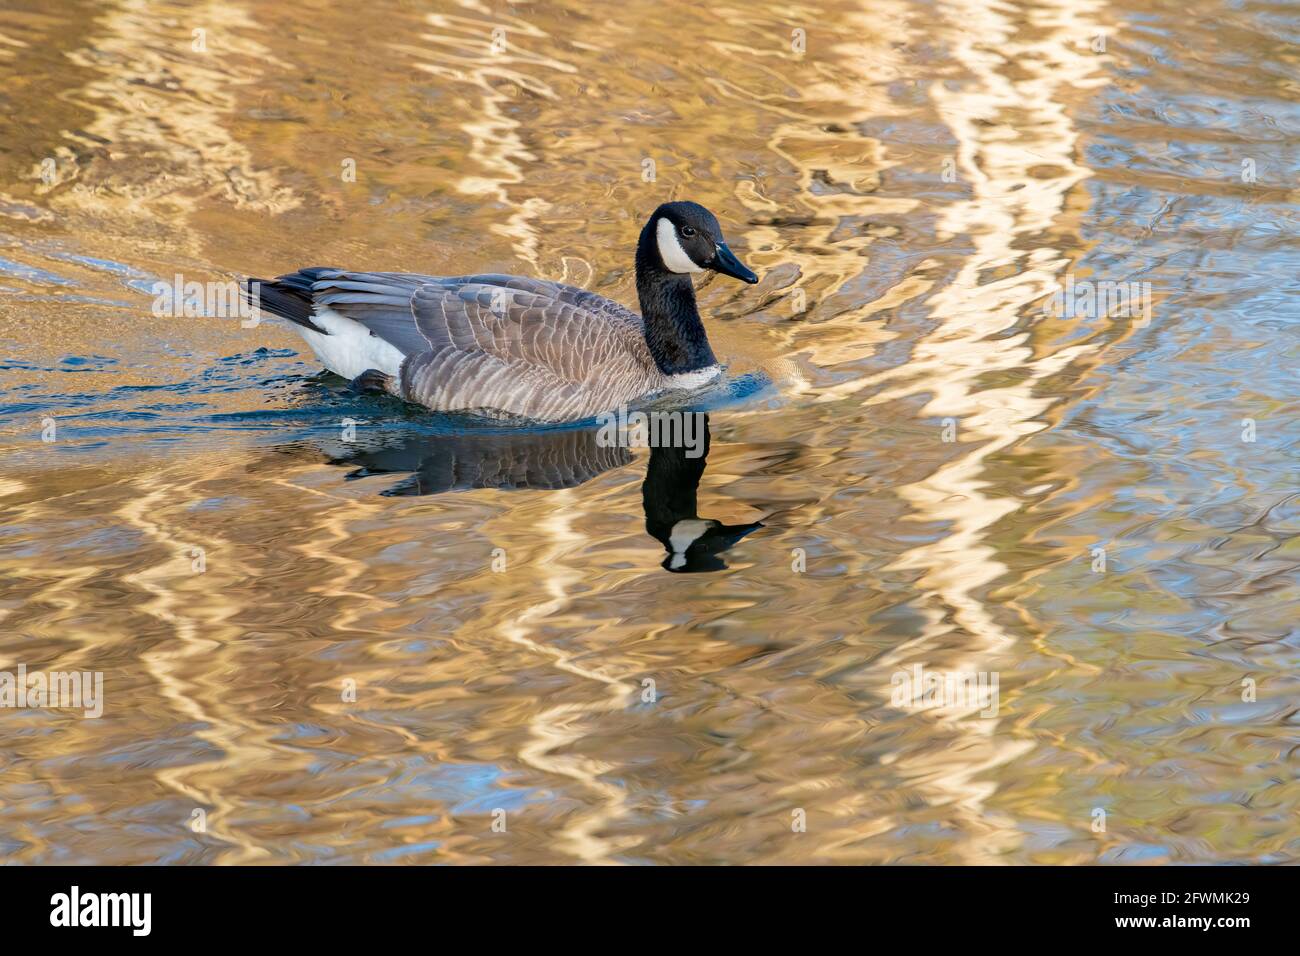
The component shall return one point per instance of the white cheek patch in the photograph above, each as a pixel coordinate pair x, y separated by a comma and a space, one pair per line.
671, 251
685, 533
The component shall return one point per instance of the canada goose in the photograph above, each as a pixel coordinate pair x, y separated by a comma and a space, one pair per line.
514, 346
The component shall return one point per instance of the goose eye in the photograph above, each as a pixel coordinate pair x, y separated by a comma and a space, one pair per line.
688, 231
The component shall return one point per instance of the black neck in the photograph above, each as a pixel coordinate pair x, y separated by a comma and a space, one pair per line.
672, 481
673, 329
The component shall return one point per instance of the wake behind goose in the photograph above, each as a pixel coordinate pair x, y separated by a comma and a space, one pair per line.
510, 345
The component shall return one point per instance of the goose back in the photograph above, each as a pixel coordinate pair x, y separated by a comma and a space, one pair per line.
498, 344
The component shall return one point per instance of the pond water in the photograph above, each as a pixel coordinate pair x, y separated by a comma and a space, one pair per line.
1013, 406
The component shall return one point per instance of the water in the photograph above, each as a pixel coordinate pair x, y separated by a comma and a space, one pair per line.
913, 461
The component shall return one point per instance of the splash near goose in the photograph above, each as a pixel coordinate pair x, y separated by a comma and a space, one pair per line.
514, 346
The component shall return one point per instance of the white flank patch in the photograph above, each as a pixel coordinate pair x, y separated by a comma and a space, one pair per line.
695, 379
671, 251
350, 349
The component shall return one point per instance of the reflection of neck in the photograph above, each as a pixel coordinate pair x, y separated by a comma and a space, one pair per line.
668, 493
673, 329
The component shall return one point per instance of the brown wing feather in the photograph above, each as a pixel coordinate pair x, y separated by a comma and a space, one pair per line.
500, 343
454, 380
575, 334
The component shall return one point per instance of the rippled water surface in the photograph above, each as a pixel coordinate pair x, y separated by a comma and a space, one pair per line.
914, 459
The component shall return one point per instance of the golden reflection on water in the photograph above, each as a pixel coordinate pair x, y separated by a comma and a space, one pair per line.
946, 363
616, 712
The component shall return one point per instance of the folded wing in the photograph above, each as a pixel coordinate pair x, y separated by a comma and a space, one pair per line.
572, 332
509, 343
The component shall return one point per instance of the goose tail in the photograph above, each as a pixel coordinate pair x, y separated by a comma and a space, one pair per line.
289, 296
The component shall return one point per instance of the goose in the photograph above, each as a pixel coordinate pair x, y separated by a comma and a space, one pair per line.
510, 346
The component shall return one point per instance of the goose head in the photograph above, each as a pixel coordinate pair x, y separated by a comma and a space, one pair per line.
678, 240
669, 495
685, 238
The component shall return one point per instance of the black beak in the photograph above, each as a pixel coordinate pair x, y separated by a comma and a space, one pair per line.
725, 261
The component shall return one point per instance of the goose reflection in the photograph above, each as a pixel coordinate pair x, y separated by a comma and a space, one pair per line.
548, 460
668, 495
